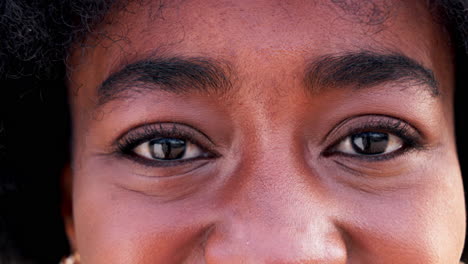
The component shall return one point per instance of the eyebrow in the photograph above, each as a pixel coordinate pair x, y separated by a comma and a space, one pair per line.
368, 69
207, 75
173, 74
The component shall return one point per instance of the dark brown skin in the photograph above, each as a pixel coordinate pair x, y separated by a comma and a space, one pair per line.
270, 191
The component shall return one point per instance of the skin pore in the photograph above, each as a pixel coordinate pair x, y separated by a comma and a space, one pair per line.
227, 132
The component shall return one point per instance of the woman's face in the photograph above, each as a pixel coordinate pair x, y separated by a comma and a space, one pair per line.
266, 132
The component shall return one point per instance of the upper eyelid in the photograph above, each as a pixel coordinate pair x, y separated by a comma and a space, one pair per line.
378, 120
363, 129
160, 124
145, 133
161, 127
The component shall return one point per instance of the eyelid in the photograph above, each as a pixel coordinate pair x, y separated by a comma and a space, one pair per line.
366, 121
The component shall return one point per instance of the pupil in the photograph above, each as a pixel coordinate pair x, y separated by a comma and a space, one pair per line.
167, 148
370, 143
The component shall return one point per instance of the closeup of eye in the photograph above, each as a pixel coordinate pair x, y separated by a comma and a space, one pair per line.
168, 149
165, 145
374, 137
370, 143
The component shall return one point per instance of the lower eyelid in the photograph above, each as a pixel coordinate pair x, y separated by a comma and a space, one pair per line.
153, 163
371, 158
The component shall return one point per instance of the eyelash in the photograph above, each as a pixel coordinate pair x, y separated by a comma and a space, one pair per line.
410, 136
127, 144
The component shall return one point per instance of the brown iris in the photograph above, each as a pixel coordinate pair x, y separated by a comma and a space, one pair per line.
370, 143
167, 148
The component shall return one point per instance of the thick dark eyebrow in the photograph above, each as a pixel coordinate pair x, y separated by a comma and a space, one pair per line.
173, 74
368, 69
182, 75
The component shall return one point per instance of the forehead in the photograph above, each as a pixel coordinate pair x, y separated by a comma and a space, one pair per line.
254, 35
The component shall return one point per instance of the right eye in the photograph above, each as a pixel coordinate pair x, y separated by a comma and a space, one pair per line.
165, 149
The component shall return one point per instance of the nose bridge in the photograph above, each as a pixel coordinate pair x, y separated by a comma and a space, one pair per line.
276, 212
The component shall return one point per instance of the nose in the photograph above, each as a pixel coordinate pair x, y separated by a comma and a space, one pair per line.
276, 211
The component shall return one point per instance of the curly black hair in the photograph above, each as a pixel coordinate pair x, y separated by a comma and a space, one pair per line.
35, 37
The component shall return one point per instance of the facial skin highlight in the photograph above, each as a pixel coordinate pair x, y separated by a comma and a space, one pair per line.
237, 132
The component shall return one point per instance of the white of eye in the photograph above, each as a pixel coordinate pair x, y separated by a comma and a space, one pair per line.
359, 146
168, 149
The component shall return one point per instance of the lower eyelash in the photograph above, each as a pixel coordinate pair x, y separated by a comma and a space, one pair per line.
376, 158
160, 164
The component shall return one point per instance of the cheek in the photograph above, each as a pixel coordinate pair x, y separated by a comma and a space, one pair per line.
421, 224
121, 226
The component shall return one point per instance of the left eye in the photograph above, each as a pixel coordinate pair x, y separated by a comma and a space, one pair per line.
168, 149
370, 143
